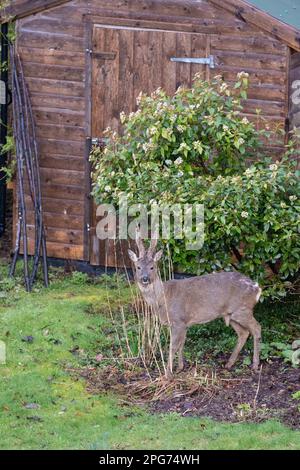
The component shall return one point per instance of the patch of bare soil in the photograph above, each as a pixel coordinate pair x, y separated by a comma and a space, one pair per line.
219, 394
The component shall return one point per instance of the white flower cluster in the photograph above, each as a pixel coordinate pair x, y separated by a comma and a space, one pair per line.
180, 128
250, 171
241, 75
151, 131
223, 87
178, 161
183, 146
122, 117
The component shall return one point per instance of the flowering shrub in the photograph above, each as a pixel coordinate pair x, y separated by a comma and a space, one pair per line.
194, 147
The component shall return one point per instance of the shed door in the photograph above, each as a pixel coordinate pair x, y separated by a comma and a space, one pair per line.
294, 105
127, 61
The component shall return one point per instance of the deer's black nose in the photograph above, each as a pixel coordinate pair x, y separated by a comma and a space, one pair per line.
145, 278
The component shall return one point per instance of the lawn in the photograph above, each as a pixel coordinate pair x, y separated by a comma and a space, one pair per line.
44, 406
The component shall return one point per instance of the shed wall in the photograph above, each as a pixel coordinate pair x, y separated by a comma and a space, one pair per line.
52, 45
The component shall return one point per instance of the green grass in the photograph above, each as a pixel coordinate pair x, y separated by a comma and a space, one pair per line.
73, 314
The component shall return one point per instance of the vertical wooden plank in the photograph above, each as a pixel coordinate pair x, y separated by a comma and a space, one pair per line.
208, 52
111, 81
126, 45
97, 124
183, 49
98, 83
199, 49
294, 94
88, 203
155, 59
141, 63
168, 67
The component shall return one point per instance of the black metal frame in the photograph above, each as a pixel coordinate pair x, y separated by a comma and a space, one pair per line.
3, 124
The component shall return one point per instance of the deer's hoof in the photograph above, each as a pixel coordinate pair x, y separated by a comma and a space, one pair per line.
228, 366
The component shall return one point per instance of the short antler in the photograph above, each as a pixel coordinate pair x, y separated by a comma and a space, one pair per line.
139, 242
153, 245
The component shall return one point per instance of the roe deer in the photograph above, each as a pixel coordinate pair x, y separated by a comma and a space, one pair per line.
201, 299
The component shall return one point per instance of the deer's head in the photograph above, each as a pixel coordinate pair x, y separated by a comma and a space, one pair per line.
145, 263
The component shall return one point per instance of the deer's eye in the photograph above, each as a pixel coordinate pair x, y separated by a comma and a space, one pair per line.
152, 268
139, 267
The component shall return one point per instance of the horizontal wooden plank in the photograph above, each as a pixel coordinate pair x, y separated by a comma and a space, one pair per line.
246, 44
267, 93
169, 8
63, 236
51, 26
53, 72
58, 221
50, 56
62, 162
62, 191
57, 87
176, 12
61, 132
64, 207
208, 26
62, 147
273, 77
59, 250
253, 60
56, 176
59, 116
268, 108
20, 8
56, 101
73, 11
43, 40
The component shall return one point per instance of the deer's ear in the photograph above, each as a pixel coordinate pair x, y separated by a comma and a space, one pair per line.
132, 256
158, 255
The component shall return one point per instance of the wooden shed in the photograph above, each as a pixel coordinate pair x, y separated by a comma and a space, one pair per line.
85, 61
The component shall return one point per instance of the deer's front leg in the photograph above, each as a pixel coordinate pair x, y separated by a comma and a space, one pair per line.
178, 333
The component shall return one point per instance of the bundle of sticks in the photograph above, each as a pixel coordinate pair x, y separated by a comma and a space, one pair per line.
27, 171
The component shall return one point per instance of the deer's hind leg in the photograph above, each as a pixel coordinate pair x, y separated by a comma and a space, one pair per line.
255, 330
243, 334
246, 319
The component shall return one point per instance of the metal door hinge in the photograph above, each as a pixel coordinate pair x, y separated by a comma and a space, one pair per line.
195, 60
88, 227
